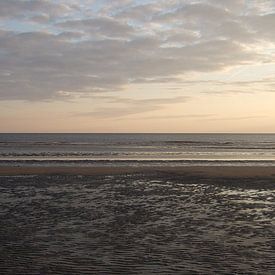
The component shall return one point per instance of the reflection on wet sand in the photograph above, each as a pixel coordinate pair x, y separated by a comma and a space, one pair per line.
136, 224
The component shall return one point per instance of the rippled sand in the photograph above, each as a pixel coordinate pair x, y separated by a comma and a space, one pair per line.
136, 224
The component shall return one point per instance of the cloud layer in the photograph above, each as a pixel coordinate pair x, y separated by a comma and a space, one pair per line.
57, 50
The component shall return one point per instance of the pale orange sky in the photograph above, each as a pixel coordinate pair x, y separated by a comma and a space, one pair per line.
137, 66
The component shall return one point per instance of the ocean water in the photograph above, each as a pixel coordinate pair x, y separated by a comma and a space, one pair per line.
137, 149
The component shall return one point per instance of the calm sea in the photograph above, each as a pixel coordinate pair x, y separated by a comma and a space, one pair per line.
137, 149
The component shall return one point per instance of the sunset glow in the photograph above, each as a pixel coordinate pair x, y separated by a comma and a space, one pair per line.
137, 66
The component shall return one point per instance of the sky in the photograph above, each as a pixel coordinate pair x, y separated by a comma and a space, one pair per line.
137, 66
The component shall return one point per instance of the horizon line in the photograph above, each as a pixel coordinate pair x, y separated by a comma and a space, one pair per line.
142, 133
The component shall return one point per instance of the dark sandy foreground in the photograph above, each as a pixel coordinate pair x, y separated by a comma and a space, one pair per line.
205, 171
189, 220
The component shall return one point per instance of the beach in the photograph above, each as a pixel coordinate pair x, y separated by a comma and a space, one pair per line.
137, 220
206, 171
137, 204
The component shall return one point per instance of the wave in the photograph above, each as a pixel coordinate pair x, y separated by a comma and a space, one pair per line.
123, 162
136, 144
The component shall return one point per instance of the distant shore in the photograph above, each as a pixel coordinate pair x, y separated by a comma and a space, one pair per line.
205, 171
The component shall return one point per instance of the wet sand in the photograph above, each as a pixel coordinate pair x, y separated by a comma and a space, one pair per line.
206, 171
144, 220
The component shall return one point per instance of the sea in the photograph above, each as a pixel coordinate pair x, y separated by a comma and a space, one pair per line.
137, 149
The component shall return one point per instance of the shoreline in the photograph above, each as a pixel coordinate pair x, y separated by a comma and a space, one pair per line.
202, 171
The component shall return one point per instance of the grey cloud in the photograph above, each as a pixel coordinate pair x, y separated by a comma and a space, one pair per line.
236, 31
41, 18
97, 54
141, 12
232, 20
111, 7
263, 25
42, 64
131, 106
68, 35
102, 26
193, 14
148, 101
157, 80
21, 7
236, 6
182, 37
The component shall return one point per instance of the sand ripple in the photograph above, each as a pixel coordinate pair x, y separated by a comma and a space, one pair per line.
136, 225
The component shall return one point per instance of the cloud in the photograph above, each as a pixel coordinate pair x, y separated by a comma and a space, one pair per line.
167, 117
19, 8
238, 118
104, 26
262, 25
131, 106
85, 48
195, 13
